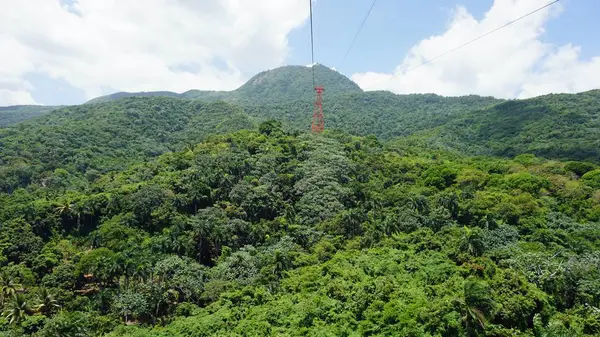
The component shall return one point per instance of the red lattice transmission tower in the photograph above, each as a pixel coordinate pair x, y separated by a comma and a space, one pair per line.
318, 121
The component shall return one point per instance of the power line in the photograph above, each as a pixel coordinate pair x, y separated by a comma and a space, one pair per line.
312, 43
358, 32
479, 37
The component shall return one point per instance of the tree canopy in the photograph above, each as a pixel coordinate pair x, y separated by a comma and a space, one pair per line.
278, 233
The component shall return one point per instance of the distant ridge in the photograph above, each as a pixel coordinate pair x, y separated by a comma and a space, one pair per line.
288, 83
14, 114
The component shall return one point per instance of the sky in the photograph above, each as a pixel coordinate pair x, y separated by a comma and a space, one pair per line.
56, 52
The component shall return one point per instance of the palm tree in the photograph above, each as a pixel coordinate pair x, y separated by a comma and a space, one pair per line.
200, 238
472, 242
282, 263
450, 202
140, 273
17, 309
8, 286
476, 306
351, 222
419, 203
47, 302
65, 208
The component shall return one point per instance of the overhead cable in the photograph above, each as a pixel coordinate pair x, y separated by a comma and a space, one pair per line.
358, 32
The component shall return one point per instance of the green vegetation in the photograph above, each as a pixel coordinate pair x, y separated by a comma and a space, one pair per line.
563, 126
121, 95
82, 142
18, 113
198, 214
381, 113
275, 233
559, 126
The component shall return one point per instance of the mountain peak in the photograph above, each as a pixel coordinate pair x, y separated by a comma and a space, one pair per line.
283, 84
296, 82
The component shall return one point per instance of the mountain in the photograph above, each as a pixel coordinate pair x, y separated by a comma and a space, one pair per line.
564, 126
284, 84
94, 138
294, 83
101, 137
120, 95
88, 139
219, 214
379, 113
17, 113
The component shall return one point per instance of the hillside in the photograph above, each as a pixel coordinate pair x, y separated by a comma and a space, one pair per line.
93, 138
18, 113
379, 113
294, 83
88, 139
121, 95
280, 85
282, 234
561, 126
565, 126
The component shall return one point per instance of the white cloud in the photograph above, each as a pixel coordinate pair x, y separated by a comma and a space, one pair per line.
137, 45
15, 97
512, 62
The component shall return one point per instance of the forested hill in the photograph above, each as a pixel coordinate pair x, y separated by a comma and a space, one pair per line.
269, 233
280, 85
18, 113
565, 126
120, 95
379, 113
87, 140
90, 139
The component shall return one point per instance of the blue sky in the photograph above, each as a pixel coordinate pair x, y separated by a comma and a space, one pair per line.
394, 26
68, 51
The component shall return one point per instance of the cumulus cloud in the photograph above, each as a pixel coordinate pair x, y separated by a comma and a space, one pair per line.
512, 62
133, 45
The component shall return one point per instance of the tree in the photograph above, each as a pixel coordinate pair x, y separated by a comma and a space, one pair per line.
47, 303
419, 203
476, 305
281, 263
132, 305
592, 178
17, 309
271, 127
440, 177
472, 242
68, 324
579, 168
18, 242
65, 208
100, 264
8, 285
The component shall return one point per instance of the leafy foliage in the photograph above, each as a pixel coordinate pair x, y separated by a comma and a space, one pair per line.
561, 126
275, 233
177, 216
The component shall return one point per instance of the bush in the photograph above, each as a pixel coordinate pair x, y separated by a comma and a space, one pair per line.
579, 168
592, 178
